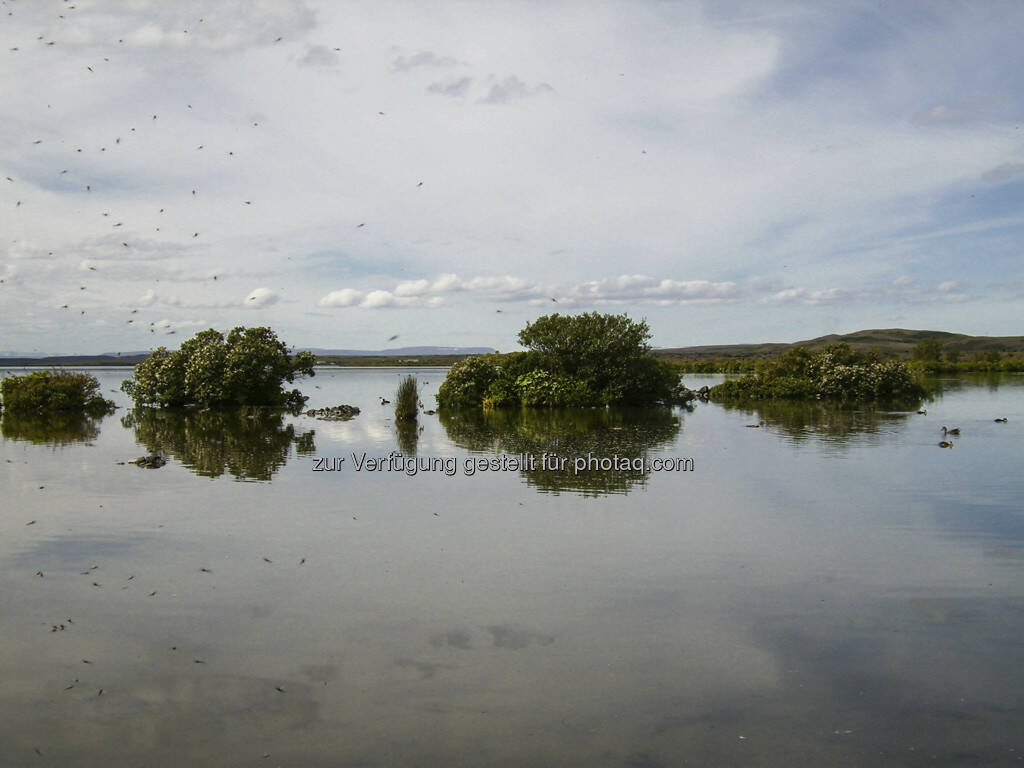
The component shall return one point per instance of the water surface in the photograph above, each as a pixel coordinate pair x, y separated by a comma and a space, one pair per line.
829, 587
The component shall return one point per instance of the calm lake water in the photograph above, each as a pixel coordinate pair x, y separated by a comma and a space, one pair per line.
829, 588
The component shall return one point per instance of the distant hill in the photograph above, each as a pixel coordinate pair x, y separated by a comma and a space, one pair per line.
895, 342
426, 355
397, 351
128, 358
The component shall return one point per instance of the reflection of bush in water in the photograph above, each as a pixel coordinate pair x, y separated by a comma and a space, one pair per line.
603, 432
304, 445
408, 431
54, 428
803, 420
248, 443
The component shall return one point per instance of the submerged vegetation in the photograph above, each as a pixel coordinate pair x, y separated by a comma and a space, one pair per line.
835, 373
247, 367
54, 392
571, 360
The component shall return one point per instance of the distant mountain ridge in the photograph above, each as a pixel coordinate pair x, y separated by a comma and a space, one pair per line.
130, 358
899, 342
397, 352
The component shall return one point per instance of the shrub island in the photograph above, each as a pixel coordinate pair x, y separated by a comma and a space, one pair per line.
50, 392
571, 360
245, 368
835, 373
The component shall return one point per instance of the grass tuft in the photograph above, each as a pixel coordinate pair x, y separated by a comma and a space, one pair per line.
407, 399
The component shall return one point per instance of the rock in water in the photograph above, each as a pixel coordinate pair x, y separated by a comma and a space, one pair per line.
335, 413
153, 461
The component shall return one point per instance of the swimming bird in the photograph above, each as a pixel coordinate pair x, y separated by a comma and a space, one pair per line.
944, 444
1001, 420
923, 412
955, 431
385, 402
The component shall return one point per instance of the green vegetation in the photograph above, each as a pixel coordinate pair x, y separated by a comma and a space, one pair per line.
50, 392
568, 433
571, 360
835, 373
933, 357
894, 343
927, 350
245, 368
245, 443
717, 365
406, 399
54, 428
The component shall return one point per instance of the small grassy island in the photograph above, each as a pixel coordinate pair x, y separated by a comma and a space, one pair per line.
836, 373
571, 360
245, 368
53, 392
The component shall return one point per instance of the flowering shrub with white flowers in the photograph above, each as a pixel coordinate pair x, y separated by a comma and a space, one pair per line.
835, 373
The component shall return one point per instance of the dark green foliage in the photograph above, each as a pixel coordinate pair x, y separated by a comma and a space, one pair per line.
50, 427
247, 367
467, 382
717, 365
52, 392
630, 433
928, 349
572, 360
246, 443
406, 399
835, 373
981, 364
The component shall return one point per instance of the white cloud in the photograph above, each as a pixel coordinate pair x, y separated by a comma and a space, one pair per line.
346, 297
657, 159
376, 299
503, 288
446, 283
640, 287
412, 288
260, 297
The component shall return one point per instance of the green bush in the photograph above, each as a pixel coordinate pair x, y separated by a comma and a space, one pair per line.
580, 360
247, 367
54, 391
835, 373
467, 382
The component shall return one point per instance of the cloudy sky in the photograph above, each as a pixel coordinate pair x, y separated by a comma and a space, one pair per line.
442, 171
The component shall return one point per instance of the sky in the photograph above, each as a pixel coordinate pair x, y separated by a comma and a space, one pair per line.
446, 172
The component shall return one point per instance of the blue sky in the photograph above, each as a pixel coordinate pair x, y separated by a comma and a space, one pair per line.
346, 172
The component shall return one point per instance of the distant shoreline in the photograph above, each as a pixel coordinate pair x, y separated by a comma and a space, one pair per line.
898, 343
354, 361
